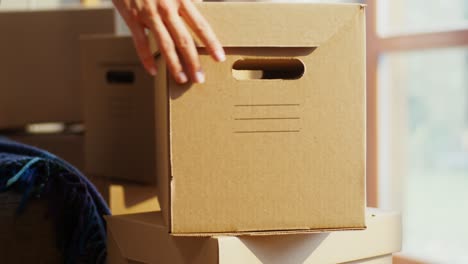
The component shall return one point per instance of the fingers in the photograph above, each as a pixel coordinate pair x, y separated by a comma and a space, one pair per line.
203, 30
163, 18
141, 42
129, 13
186, 46
174, 40
167, 46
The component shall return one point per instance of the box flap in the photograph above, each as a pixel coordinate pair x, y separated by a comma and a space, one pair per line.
382, 237
114, 253
282, 24
144, 238
161, 108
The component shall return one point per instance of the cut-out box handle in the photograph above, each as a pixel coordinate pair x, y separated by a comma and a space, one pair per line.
120, 77
268, 69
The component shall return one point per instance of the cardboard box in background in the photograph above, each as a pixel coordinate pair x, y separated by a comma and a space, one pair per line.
124, 197
68, 146
143, 238
119, 110
40, 65
280, 151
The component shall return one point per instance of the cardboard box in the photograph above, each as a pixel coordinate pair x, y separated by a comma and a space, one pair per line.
124, 197
39, 65
143, 238
67, 146
281, 153
119, 110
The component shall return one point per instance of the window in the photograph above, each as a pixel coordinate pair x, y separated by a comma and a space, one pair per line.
398, 17
30, 4
39, 4
418, 123
424, 149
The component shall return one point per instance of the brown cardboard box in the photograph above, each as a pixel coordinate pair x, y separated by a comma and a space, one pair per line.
124, 197
282, 153
39, 63
143, 238
64, 145
119, 110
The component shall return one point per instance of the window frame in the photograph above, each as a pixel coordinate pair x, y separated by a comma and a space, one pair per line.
376, 46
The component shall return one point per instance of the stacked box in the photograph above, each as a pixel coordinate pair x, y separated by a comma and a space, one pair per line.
40, 83
119, 110
280, 151
119, 119
40, 80
143, 238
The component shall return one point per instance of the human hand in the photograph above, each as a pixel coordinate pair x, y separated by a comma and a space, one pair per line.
165, 19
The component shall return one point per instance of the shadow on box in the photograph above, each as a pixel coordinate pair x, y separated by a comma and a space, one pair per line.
301, 244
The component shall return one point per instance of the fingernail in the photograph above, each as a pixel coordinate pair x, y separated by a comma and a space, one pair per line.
199, 77
153, 71
220, 56
181, 77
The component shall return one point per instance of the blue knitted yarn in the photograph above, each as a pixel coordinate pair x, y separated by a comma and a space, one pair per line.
74, 204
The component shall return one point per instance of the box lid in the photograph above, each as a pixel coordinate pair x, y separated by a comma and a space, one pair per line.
239, 24
144, 238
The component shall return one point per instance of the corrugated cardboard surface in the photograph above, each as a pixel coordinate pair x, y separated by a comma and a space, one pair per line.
268, 155
162, 140
64, 145
143, 238
119, 114
39, 63
124, 197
